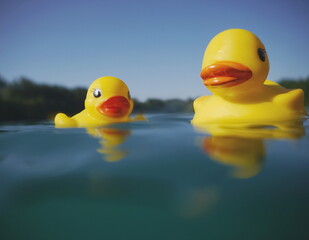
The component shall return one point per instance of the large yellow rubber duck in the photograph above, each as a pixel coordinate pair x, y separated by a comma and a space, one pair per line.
234, 69
108, 101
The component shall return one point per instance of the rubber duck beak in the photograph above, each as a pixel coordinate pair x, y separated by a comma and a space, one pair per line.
116, 107
226, 74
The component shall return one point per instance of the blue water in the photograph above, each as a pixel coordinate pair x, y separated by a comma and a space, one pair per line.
160, 179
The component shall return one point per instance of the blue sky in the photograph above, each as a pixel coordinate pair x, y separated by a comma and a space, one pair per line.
156, 47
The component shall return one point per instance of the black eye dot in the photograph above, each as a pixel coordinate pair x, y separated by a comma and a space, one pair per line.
97, 93
262, 54
129, 95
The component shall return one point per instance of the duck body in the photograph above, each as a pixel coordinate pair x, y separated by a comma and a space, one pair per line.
235, 68
108, 101
84, 119
271, 103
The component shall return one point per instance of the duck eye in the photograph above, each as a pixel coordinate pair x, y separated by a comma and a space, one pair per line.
97, 93
129, 95
262, 54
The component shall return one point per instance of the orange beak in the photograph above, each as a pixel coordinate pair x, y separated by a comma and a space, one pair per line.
115, 107
226, 74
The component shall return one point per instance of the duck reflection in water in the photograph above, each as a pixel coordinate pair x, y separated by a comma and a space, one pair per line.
111, 137
110, 140
242, 146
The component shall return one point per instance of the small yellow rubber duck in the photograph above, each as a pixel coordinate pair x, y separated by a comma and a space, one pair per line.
234, 69
108, 101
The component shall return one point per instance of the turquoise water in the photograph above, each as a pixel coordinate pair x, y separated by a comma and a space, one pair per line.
160, 179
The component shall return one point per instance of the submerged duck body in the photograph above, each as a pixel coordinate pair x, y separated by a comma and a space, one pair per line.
234, 69
108, 101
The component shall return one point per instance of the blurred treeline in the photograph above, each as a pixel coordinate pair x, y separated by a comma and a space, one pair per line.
25, 100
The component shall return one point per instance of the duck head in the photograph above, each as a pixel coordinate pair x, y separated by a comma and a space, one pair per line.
235, 61
108, 98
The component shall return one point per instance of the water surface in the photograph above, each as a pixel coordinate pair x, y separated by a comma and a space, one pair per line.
160, 179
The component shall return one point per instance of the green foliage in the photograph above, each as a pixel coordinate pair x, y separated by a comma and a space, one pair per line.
167, 106
24, 100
